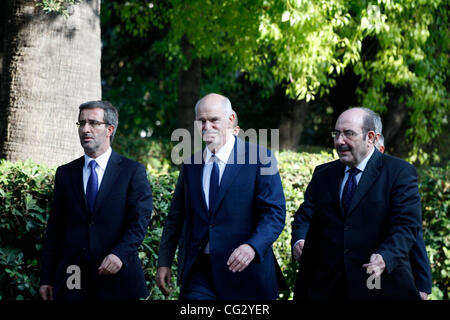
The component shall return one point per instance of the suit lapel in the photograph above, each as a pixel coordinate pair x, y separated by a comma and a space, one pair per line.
335, 184
235, 162
77, 183
368, 178
198, 185
112, 171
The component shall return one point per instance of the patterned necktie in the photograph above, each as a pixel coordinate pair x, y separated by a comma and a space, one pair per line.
349, 189
213, 184
92, 186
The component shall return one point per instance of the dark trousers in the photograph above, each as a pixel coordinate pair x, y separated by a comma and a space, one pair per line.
199, 284
339, 288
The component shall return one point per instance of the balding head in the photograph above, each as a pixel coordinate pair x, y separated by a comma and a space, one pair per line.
356, 135
213, 99
214, 114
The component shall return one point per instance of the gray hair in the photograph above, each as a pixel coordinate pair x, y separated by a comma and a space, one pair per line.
225, 103
369, 121
111, 115
378, 123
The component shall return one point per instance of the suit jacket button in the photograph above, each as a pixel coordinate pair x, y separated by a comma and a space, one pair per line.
346, 228
346, 251
211, 225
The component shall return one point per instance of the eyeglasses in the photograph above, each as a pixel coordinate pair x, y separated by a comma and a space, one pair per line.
92, 123
349, 134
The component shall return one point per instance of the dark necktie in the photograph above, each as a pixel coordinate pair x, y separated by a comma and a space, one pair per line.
213, 184
349, 189
92, 186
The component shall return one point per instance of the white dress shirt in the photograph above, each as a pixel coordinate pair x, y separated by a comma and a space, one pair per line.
361, 166
102, 161
221, 158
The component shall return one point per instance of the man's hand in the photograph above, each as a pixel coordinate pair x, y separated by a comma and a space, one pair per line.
423, 295
110, 265
241, 258
163, 279
376, 265
46, 292
298, 249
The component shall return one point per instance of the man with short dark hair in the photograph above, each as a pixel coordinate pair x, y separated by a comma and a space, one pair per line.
360, 218
100, 213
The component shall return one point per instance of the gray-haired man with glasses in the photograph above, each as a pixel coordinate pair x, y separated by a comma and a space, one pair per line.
360, 218
100, 213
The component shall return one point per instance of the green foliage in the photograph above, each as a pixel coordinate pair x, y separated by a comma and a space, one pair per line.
435, 192
388, 44
139, 75
397, 49
155, 153
163, 187
56, 6
26, 192
296, 170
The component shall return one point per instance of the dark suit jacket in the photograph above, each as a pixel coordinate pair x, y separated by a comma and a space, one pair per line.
118, 225
250, 209
384, 218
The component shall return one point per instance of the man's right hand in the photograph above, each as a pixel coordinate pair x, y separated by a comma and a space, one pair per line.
46, 292
298, 249
163, 278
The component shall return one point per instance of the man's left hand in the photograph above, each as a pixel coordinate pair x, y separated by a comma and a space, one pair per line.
241, 258
376, 265
423, 295
110, 265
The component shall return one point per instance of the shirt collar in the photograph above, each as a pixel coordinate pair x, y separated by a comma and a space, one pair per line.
362, 165
223, 153
102, 160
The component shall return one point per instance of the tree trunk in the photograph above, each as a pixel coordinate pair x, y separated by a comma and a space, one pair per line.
188, 90
292, 123
51, 65
395, 123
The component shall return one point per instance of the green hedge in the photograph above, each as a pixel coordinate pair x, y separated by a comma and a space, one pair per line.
26, 192
434, 186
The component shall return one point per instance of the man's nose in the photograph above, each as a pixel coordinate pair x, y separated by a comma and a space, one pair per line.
86, 128
207, 125
340, 139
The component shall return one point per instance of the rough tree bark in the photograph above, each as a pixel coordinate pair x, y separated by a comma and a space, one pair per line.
395, 123
51, 65
188, 90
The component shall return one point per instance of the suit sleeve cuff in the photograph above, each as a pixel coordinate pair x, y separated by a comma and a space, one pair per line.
258, 253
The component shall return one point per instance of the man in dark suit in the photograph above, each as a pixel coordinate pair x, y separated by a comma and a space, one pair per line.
418, 255
363, 214
101, 210
227, 211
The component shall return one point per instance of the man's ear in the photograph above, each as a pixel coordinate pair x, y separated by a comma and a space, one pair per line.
377, 137
231, 118
372, 137
110, 130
